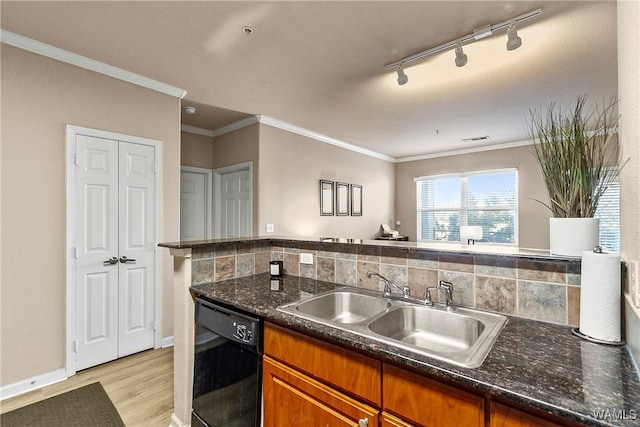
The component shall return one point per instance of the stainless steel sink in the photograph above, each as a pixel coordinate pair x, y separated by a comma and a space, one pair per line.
456, 335
462, 336
343, 306
424, 327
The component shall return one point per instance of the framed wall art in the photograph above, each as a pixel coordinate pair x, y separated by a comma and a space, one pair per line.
326, 197
356, 200
342, 199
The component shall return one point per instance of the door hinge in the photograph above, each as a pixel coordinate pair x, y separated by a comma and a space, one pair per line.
75, 159
155, 168
75, 346
74, 252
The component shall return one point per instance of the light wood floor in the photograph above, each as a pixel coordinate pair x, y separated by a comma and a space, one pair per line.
140, 386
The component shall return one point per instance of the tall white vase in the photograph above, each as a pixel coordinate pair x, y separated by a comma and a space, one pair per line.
571, 236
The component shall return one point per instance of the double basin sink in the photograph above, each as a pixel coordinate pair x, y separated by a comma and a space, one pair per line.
457, 335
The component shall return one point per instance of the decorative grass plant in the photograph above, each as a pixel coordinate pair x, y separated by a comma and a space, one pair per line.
578, 154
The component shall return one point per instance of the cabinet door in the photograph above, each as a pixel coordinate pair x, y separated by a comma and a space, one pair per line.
293, 399
505, 416
353, 373
427, 402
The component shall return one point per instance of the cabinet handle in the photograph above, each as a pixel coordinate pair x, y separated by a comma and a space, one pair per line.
363, 422
125, 260
111, 261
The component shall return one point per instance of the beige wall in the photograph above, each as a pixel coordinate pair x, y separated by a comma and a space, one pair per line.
291, 167
237, 147
629, 95
533, 218
39, 97
196, 150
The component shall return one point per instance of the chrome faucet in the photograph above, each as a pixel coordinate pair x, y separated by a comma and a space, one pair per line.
427, 294
448, 289
388, 284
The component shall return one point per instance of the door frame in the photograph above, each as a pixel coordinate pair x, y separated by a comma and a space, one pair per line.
217, 194
208, 192
70, 250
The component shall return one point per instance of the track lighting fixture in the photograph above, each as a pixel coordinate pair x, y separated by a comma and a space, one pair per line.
402, 77
513, 43
461, 57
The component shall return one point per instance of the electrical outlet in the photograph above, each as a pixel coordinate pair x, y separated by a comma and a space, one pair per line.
306, 258
268, 228
634, 286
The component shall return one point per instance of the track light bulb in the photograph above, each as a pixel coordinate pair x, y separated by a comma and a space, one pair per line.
513, 41
461, 57
402, 77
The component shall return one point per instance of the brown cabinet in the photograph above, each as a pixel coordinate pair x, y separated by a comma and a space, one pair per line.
388, 420
348, 371
424, 401
294, 399
505, 416
308, 382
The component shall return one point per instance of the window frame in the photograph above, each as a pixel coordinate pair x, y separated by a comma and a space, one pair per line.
464, 209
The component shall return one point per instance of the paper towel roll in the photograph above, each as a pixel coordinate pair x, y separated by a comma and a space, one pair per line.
600, 296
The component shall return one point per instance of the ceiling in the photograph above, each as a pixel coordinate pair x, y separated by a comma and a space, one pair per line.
321, 65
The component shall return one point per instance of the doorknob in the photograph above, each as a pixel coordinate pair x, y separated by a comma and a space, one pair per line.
125, 260
111, 261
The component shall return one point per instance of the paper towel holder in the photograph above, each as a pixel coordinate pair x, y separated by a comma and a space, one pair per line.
576, 332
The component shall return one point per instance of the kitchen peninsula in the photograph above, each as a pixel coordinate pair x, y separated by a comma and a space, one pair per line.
535, 366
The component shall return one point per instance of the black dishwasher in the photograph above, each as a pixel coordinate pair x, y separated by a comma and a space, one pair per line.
227, 367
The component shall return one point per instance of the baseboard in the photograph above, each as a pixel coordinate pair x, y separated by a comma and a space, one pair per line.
167, 342
175, 421
33, 383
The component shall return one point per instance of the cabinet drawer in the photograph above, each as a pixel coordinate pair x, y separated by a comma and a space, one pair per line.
427, 402
346, 370
388, 420
294, 399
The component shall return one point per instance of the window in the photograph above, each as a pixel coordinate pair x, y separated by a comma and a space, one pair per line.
609, 213
488, 199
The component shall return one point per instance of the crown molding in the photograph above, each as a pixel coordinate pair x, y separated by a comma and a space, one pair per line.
196, 130
56, 53
465, 151
236, 125
220, 131
269, 121
322, 138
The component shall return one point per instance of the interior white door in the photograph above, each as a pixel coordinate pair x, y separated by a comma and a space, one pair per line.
236, 204
115, 245
136, 248
193, 206
96, 275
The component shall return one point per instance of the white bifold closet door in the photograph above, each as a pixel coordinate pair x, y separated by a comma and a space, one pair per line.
115, 246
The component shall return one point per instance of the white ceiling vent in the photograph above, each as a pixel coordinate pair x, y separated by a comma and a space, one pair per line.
476, 138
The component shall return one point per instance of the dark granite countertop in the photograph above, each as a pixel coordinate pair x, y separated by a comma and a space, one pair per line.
352, 245
540, 365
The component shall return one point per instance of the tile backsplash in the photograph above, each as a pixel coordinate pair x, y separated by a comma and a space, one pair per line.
546, 290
